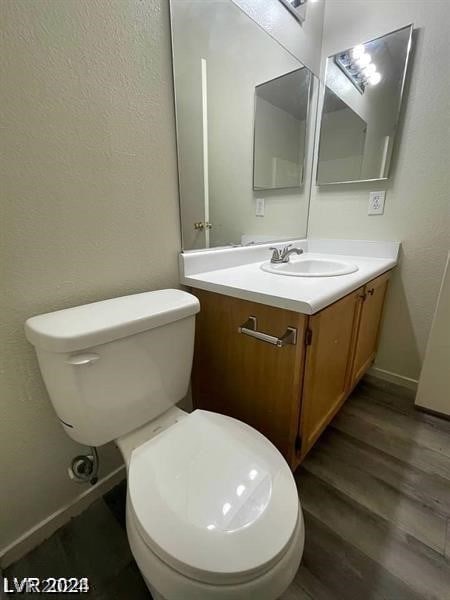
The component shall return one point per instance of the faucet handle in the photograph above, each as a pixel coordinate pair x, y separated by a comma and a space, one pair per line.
284, 250
276, 255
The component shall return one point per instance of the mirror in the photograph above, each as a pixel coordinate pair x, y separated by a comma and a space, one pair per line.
361, 106
281, 112
236, 92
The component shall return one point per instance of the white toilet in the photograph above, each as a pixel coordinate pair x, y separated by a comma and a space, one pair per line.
212, 506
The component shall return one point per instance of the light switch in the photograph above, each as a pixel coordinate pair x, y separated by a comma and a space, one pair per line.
259, 212
376, 203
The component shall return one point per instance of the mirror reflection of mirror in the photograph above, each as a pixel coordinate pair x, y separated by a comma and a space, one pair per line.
281, 111
220, 56
362, 99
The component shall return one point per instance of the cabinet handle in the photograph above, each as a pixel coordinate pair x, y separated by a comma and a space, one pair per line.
249, 328
371, 291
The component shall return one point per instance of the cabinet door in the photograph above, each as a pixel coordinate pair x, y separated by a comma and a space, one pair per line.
246, 378
327, 367
367, 338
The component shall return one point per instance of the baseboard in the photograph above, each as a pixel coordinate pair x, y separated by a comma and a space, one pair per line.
406, 382
435, 413
37, 534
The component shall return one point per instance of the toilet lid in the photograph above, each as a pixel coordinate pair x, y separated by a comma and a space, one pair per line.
213, 498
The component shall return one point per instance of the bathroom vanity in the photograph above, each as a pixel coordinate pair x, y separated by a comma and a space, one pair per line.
283, 368
279, 346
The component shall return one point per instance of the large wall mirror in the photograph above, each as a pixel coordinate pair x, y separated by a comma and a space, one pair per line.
361, 105
243, 113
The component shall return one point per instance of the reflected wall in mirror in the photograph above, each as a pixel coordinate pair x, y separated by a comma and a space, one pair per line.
361, 106
281, 112
220, 56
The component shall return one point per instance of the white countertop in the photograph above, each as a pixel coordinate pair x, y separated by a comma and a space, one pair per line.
224, 275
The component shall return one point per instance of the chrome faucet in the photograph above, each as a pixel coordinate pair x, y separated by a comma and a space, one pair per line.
281, 255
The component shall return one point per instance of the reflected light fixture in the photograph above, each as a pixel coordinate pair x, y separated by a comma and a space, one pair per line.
369, 69
297, 8
363, 60
357, 65
240, 490
357, 51
226, 508
374, 78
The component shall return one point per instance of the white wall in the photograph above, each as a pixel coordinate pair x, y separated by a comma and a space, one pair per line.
434, 385
417, 208
89, 205
342, 140
278, 147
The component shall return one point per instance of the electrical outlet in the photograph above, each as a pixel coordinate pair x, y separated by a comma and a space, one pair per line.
259, 212
376, 203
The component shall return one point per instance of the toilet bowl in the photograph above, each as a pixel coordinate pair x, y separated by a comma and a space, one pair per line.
212, 506
212, 511
174, 585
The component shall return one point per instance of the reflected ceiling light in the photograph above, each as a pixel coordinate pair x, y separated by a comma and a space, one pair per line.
240, 490
211, 527
253, 473
369, 69
297, 8
226, 508
357, 51
357, 65
374, 78
363, 60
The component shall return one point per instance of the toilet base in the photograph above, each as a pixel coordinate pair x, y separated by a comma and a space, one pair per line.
155, 595
168, 583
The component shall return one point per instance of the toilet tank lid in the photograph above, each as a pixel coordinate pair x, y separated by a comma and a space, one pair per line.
82, 327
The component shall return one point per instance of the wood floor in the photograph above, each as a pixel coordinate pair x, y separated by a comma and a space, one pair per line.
92, 545
375, 493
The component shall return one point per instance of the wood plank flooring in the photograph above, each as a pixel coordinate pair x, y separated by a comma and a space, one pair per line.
375, 493
92, 545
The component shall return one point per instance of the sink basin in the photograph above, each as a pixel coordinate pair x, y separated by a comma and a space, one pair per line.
310, 267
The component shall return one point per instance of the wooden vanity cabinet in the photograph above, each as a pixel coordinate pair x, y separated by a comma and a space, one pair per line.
288, 393
327, 366
243, 377
368, 326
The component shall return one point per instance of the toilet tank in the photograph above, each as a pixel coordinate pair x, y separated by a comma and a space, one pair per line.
112, 366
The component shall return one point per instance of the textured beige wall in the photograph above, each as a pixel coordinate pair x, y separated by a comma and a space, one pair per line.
417, 210
89, 206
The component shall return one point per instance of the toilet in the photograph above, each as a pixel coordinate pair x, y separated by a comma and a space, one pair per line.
212, 506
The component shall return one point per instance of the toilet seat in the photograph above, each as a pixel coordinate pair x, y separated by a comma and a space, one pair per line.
213, 498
